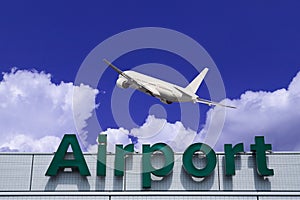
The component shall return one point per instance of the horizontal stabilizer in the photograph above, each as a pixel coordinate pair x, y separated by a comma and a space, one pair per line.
211, 103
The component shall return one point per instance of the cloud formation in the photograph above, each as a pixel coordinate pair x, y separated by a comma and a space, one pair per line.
274, 115
35, 112
153, 131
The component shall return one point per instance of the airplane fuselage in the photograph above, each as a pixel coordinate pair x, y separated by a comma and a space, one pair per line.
165, 91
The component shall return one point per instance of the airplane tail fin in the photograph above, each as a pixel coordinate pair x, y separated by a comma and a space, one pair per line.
194, 85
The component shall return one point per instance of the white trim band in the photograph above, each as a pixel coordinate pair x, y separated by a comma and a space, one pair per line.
149, 193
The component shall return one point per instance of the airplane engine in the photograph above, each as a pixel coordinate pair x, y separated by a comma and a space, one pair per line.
122, 83
166, 101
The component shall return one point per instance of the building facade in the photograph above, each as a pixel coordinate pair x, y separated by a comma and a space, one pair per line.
23, 177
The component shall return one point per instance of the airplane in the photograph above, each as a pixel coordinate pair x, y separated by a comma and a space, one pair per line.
166, 92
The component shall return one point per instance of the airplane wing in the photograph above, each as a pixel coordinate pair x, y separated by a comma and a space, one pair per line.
211, 103
185, 92
145, 88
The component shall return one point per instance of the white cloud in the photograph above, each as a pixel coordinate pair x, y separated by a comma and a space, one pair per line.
26, 144
274, 115
153, 131
37, 112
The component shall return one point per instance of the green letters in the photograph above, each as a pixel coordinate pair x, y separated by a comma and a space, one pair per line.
120, 158
188, 164
230, 152
147, 166
59, 161
101, 158
260, 149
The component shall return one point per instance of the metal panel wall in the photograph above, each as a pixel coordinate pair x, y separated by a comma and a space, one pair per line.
26, 172
286, 174
15, 172
178, 180
73, 181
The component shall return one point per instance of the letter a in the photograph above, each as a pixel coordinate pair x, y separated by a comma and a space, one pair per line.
59, 161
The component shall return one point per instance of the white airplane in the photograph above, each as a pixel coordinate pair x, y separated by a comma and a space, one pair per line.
166, 92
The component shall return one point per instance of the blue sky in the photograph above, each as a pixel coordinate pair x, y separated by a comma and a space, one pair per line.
255, 44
